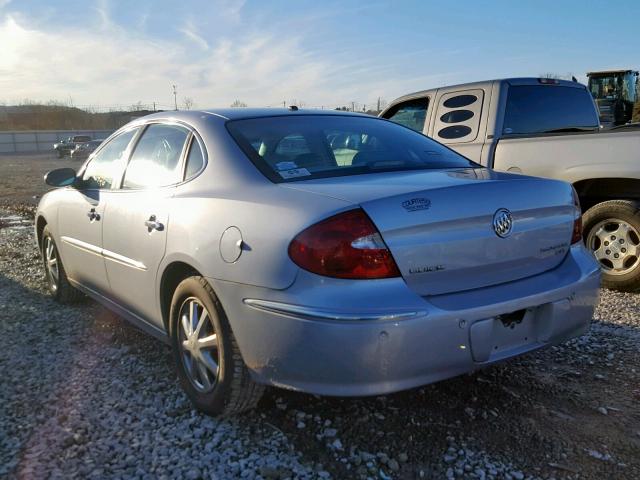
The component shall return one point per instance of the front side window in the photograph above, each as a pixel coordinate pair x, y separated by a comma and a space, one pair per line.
548, 108
411, 113
338, 146
108, 163
155, 161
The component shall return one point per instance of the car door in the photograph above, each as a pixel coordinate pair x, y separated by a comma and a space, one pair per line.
81, 214
137, 218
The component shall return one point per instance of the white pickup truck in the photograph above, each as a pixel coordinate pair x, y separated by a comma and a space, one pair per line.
547, 128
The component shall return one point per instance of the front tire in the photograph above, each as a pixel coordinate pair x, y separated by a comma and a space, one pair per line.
207, 358
57, 282
612, 233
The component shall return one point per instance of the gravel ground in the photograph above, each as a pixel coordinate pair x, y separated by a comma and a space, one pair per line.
85, 395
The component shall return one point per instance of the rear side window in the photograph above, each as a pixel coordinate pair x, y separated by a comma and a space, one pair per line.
548, 108
458, 116
411, 113
155, 161
195, 160
108, 163
337, 146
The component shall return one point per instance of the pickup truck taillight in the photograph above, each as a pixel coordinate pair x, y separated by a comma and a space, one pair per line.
577, 222
347, 245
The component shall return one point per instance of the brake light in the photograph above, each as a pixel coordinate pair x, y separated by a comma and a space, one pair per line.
577, 222
549, 81
347, 245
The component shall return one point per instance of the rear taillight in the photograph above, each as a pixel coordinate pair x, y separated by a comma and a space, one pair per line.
577, 222
347, 245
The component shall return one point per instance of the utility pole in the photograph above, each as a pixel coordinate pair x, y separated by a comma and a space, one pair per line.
175, 97
353, 106
154, 106
284, 104
378, 109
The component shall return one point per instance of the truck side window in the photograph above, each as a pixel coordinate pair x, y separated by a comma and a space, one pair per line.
458, 116
411, 113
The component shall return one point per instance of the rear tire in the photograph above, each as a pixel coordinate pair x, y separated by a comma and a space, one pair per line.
57, 282
207, 358
612, 233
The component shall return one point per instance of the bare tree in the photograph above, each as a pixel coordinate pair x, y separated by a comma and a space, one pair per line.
297, 103
238, 104
136, 107
188, 103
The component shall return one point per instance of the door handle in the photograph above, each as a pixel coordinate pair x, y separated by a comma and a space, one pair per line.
153, 224
93, 215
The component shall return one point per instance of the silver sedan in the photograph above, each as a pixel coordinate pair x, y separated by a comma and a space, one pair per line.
325, 252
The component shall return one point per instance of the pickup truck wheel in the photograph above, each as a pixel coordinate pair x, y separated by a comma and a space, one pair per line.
612, 233
207, 358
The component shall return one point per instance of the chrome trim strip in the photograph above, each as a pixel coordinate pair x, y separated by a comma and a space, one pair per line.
88, 247
313, 313
121, 259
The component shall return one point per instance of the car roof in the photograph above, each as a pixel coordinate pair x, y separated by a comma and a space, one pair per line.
244, 113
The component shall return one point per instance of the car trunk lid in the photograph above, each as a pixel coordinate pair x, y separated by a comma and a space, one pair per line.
440, 230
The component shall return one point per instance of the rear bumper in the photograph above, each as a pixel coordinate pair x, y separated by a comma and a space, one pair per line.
351, 338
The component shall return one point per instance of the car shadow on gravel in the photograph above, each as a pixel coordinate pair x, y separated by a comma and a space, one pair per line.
563, 411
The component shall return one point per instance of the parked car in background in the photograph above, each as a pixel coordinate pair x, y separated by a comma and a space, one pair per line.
548, 128
64, 147
83, 150
239, 238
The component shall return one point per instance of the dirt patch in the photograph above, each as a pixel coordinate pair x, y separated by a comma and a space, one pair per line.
22, 176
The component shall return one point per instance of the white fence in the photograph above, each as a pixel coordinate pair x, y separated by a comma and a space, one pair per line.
29, 141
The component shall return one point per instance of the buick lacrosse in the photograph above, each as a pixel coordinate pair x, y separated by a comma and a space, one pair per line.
325, 252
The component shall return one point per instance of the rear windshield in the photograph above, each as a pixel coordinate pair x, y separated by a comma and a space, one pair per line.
291, 148
547, 109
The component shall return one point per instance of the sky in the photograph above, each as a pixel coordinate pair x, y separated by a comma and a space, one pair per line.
317, 53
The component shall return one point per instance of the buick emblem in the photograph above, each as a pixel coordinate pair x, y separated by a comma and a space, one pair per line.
502, 223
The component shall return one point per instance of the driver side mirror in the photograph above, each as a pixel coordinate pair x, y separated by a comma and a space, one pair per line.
60, 177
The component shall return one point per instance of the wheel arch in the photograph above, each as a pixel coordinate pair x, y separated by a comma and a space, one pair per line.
596, 190
41, 222
173, 273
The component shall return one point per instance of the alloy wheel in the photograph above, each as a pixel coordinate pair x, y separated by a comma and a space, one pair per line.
51, 263
616, 245
198, 341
